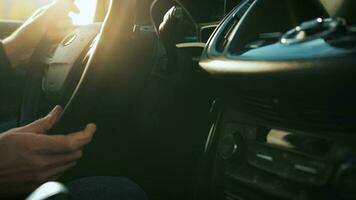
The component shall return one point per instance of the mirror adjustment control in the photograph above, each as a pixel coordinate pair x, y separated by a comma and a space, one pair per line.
230, 145
227, 147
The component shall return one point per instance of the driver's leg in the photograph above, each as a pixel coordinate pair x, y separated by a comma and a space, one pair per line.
105, 188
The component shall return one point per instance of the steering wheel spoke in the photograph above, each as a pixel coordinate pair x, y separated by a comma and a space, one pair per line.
66, 56
81, 67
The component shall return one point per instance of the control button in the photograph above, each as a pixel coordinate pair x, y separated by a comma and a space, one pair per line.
262, 181
292, 166
227, 147
264, 157
306, 169
301, 176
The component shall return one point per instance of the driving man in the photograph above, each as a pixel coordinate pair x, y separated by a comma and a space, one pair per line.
28, 156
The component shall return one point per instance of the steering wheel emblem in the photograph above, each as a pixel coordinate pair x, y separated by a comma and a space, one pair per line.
69, 40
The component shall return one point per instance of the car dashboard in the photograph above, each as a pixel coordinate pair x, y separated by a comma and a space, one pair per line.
283, 117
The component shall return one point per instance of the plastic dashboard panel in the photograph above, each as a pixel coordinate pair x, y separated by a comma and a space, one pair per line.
281, 82
280, 65
269, 77
307, 61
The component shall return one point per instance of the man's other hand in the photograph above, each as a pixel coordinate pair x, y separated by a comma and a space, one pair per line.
30, 157
50, 23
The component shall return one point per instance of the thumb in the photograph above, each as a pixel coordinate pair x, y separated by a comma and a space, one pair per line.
44, 124
49, 14
63, 7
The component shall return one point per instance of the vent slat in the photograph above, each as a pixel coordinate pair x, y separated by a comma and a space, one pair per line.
300, 112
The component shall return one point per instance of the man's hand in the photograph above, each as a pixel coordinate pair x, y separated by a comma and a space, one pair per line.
29, 157
50, 23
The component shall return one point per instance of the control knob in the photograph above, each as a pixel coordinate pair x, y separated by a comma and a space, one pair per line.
229, 146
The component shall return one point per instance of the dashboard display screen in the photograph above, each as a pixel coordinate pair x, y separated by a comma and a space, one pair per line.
299, 142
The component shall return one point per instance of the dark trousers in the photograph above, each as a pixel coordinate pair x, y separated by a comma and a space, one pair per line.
102, 188
105, 188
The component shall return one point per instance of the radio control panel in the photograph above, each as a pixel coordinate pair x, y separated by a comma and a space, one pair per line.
280, 163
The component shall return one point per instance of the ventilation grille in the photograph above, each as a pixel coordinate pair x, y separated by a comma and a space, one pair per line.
319, 115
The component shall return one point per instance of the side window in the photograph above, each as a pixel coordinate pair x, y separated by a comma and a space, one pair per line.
22, 9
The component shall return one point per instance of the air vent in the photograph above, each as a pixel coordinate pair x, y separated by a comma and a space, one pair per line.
264, 39
319, 115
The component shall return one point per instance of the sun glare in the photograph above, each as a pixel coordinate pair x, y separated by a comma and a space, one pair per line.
87, 12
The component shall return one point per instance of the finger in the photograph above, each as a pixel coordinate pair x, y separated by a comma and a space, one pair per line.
74, 8
44, 124
54, 160
78, 140
57, 10
68, 143
66, 5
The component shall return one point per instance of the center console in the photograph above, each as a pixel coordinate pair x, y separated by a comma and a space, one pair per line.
284, 121
254, 161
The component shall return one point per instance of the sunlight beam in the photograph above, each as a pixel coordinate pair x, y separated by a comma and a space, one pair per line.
87, 12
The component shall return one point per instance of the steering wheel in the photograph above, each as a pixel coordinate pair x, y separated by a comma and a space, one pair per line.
77, 70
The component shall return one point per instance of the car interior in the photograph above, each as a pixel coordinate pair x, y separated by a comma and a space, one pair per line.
203, 99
